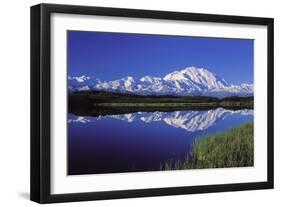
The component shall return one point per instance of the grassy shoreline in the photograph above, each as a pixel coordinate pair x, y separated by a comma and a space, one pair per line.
234, 148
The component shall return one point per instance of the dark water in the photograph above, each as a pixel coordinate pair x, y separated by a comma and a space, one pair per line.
141, 141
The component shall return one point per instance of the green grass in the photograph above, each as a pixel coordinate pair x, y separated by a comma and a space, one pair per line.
234, 148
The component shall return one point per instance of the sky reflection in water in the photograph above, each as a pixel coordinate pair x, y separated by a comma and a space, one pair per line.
141, 141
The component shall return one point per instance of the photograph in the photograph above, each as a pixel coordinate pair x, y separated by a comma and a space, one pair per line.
153, 102
131, 103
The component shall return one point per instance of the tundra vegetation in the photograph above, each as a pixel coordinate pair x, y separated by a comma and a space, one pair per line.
234, 148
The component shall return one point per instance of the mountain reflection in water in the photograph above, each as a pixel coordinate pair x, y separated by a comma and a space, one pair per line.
141, 141
188, 120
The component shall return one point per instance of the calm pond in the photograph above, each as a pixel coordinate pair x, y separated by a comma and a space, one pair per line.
141, 141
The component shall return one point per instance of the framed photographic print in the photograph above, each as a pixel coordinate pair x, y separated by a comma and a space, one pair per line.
133, 103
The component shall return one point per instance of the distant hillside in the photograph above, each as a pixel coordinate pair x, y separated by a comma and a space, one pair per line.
98, 102
108, 97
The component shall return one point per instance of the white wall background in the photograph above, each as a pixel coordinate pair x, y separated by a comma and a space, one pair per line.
14, 110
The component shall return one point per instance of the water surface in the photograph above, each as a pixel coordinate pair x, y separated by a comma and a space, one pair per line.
141, 141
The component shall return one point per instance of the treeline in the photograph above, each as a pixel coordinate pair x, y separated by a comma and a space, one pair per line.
110, 97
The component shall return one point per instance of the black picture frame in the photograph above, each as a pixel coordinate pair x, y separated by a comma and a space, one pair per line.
41, 96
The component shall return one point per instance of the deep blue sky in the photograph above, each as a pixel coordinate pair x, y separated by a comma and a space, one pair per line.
110, 56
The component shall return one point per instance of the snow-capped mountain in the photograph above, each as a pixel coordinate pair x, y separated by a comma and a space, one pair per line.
188, 120
126, 84
190, 81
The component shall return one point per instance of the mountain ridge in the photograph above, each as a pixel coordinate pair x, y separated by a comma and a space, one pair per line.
187, 82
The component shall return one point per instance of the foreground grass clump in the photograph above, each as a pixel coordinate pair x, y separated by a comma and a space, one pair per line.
234, 148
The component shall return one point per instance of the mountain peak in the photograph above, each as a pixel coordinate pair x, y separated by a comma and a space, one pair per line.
150, 79
129, 78
191, 69
176, 75
79, 79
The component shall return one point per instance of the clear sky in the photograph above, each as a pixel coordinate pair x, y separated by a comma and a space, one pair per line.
110, 56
